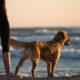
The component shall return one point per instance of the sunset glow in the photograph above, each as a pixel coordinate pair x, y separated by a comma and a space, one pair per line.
31, 13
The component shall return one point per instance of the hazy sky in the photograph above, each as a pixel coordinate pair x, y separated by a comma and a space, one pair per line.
43, 12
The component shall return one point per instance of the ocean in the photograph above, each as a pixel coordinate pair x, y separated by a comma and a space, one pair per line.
69, 63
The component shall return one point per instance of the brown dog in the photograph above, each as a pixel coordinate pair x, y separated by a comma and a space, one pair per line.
47, 51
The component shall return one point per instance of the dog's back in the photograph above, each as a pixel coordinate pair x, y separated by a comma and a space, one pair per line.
18, 44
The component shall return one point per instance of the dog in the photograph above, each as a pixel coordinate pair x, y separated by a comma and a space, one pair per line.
49, 52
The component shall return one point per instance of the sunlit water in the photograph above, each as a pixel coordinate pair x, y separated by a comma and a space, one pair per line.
69, 63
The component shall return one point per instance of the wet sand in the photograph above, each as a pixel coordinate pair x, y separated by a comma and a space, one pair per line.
3, 77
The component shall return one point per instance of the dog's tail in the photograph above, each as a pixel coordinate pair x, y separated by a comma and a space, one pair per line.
16, 44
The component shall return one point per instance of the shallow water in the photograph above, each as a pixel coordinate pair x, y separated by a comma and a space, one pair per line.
69, 62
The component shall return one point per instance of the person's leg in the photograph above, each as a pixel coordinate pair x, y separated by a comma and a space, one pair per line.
7, 61
6, 50
4, 34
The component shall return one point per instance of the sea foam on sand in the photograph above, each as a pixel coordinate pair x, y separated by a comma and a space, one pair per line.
28, 77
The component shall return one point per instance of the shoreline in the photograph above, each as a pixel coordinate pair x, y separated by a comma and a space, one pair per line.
23, 77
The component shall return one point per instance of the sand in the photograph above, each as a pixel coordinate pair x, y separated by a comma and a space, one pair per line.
3, 77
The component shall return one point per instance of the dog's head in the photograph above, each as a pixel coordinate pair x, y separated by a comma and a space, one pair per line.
62, 38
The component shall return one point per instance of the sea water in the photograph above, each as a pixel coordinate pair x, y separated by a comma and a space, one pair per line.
69, 63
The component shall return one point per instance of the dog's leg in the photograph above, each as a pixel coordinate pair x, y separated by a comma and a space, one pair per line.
35, 60
22, 59
49, 67
18, 67
34, 64
20, 64
53, 68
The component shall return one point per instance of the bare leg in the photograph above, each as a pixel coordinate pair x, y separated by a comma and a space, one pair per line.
6, 60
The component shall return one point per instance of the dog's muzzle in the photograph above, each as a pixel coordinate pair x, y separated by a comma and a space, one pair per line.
67, 42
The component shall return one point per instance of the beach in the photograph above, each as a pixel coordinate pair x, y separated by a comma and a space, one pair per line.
68, 67
3, 77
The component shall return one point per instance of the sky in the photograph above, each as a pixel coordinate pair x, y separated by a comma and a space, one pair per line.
32, 13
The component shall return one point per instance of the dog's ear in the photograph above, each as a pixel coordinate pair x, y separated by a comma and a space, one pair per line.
62, 34
59, 36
